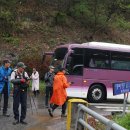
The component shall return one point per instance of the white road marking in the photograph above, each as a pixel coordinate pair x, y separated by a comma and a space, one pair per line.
109, 107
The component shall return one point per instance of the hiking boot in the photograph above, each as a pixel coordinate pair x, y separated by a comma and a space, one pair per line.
16, 122
23, 122
50, 112
63, 115
6, 115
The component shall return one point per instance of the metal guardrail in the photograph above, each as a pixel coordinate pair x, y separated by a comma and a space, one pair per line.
81, 121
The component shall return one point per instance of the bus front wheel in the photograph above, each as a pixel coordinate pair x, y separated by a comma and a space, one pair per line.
96, 93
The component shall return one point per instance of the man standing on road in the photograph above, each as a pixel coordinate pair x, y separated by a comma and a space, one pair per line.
20, 81
59, 92
49, 84
5, 72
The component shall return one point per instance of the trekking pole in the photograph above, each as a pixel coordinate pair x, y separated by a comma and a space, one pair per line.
34, 104
30, 102
32, 98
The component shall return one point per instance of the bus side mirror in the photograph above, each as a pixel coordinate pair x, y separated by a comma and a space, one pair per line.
71, 51
69, 59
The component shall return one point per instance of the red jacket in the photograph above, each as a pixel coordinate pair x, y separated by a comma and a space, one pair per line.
59, 89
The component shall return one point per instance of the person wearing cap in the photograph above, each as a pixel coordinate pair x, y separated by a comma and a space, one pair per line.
35, 82
59, 96
5, 72
20, 81
49, 85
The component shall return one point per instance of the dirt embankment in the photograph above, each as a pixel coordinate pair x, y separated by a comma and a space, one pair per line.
36, 31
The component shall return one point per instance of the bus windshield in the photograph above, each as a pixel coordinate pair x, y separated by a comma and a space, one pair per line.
58, 57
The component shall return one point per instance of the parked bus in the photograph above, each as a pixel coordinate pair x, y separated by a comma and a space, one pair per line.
93, 67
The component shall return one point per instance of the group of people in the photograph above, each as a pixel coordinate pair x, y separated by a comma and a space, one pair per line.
55, 93
56, 85
20, 80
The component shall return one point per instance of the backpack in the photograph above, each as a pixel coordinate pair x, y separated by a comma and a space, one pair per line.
23, 85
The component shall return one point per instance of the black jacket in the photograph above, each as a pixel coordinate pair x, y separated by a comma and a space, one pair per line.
49, 79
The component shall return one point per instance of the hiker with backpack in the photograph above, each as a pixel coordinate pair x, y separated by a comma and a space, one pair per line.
20, 80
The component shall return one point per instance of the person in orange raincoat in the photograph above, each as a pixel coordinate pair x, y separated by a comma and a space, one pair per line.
59, 92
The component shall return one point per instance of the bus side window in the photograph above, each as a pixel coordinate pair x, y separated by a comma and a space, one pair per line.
96, 59
92, 63
75, 65
113, 64
77, 70
120, 61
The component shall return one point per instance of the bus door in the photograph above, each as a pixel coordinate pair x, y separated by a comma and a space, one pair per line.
74, 67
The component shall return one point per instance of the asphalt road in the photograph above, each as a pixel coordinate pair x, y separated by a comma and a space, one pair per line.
39, 119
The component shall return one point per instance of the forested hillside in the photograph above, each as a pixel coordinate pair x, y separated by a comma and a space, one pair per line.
28, 26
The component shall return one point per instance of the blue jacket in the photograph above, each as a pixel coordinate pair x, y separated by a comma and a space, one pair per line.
4, 73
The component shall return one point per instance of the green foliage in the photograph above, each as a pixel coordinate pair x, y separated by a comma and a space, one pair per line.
98, 13
125, 121
12, 40
40, 2
7, 16
128, 7
90, 14
80, 11
52, 41
8, 4
93, 14
6, 22
120, 22
60, 18
42, 86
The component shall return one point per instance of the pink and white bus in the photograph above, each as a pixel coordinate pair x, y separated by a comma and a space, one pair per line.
93, 67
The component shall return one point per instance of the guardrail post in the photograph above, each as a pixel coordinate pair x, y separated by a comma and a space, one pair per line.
76, 125
73, 111
124, 103
80, 115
